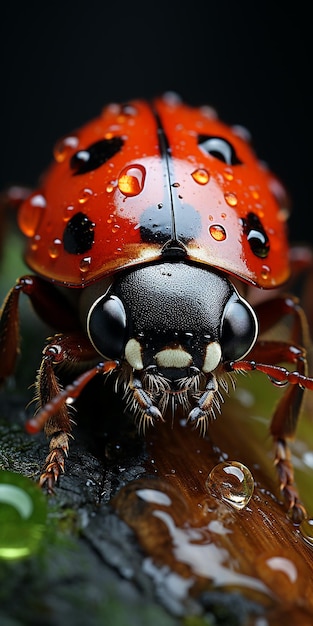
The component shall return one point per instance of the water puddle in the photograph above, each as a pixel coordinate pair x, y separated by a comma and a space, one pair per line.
186, 517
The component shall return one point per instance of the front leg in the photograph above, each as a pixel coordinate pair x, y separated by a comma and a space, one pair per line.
48, 302
61, 350
204, 408
142, 400
58, 427
285, 417
283, 464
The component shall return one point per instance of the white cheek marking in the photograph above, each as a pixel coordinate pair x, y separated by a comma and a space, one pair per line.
212, 358
173, 358
133, 354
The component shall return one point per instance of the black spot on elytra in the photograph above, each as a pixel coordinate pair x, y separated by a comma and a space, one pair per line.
219, 148
159, 225
187, 223
95, 155
256, 235
155, 224
78, 236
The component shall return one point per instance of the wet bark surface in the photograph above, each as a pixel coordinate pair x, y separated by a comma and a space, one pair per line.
88, 567
135, 535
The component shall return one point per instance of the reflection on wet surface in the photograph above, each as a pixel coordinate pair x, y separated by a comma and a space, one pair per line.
197, 539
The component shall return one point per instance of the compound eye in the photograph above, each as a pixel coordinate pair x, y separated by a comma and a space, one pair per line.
239, 329
107, 327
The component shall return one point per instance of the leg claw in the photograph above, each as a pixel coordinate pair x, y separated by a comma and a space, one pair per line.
53, 467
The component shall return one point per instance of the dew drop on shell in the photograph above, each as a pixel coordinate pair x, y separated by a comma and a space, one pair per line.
64, 147
55, 248
85, 195
84, 264
217, 232
131, 180
30, 213
68, 212
231, 198
110, 187
228, 173
265, 272
201, 176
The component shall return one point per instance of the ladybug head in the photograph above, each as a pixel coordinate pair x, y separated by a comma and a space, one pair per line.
176, 318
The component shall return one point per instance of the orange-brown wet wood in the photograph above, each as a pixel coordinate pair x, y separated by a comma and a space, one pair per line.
209, 544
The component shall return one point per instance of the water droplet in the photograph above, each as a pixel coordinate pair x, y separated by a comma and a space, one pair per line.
35, 242
64, 147
176, 185
171, 98
306, 530
38, 200
228, 173
201, 176
242, 132
131, 180
280, 569
232, 482
84, 195
23, 515
281, 564
129, 109
217, 232
209, 112
112, 109
260, 210
84, 265
283, 214
30, 214
55, 248
155, 496
68, 213
110, 187
265, 272
231, 198
255, 194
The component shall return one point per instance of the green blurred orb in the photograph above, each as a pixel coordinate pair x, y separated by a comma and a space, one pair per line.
23, 516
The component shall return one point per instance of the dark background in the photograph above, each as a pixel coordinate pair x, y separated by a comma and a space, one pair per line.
61, 62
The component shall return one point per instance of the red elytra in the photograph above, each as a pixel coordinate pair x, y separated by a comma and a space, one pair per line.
160, 180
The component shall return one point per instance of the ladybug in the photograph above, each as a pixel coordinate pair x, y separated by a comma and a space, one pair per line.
144, 238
